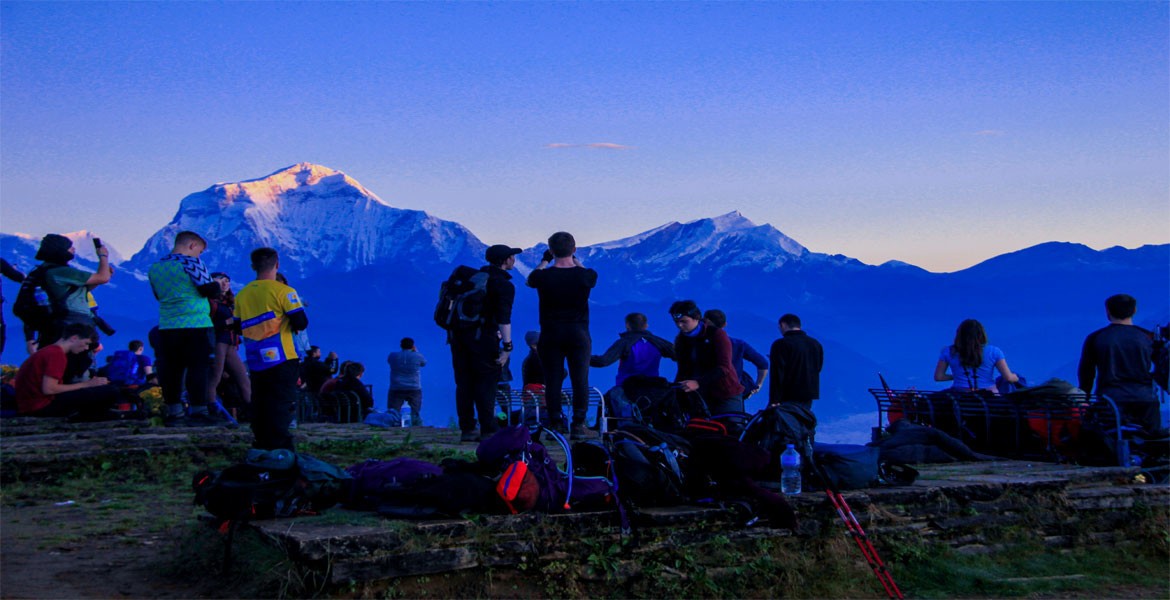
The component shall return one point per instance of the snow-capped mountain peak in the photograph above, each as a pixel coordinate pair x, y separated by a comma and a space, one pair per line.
732, 221
270, 188
82, 243
316, 217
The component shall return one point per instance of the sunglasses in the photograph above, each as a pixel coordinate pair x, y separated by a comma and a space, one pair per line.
681, 316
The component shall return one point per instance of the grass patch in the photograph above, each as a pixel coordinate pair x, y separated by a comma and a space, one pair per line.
1034, 571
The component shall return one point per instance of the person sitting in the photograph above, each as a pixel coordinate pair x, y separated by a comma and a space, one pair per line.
40, 390
972, 361
351, 381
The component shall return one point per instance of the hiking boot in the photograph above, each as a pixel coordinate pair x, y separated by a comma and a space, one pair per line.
208, 420
579, 432
469, 436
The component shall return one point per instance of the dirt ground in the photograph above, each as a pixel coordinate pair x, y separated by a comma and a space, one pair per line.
46, 553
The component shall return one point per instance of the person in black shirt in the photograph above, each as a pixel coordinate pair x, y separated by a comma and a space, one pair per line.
476, 353
796, 360
563, 285
1119, 359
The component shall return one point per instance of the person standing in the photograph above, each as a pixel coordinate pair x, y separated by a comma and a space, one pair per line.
406, 381
796, 360
478, 352
741, 351
11, 272
1119, 360
638, 351
67, 288
703, 352
563, 285
269, 312
227, 343
186, 351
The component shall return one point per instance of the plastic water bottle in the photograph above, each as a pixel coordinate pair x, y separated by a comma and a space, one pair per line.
790, 477
41, 298
405, 413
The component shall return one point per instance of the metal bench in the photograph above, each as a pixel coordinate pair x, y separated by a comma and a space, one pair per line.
1037, 427
528, 405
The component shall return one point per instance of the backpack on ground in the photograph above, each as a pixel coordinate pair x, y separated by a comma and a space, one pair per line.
271, 484
847, 466
374, 479
650, 465
34, 305
514, 444
461, 299
777, 426
123, 369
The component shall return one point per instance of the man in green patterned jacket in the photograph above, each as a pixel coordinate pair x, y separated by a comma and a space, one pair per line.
182, 285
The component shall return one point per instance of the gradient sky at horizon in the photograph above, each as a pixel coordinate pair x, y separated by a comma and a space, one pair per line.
940, 134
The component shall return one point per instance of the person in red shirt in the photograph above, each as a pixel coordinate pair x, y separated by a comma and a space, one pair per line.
41, 391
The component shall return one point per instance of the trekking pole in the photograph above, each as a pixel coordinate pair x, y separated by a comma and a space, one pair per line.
855, 530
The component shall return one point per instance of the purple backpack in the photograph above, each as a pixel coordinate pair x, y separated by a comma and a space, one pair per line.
515, 443
373, 478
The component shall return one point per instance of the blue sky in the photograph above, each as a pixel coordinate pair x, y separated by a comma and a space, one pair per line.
940, 134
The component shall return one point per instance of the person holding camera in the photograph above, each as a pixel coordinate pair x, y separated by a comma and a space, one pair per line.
182, 286
405, 380
67, 287
563, 285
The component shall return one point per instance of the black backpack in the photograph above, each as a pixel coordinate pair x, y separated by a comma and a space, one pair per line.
271, 484
461, 299
34, 304
777, 426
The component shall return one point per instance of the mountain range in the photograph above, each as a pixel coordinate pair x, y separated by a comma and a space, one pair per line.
370, 273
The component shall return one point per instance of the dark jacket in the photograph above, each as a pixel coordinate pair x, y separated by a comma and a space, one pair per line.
1118, 359
706, 358
796, 368
501, 293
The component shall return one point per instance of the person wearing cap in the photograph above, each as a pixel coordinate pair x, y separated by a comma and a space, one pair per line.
478, 353
182, 285
67, 287
703, 352
564, 285
741, 351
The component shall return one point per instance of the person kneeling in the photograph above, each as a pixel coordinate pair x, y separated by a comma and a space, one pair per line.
41, 391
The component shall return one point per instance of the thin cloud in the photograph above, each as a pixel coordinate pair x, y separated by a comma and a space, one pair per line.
596, 145
990, 132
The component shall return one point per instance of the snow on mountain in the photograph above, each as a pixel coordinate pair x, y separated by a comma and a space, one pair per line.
320, 219
21, 248
703, 240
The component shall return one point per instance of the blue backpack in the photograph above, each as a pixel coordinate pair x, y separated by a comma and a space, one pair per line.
123, 369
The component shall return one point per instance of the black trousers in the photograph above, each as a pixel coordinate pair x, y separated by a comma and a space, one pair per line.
92, 402
185, 354
561, 343
274, 404
476, 375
